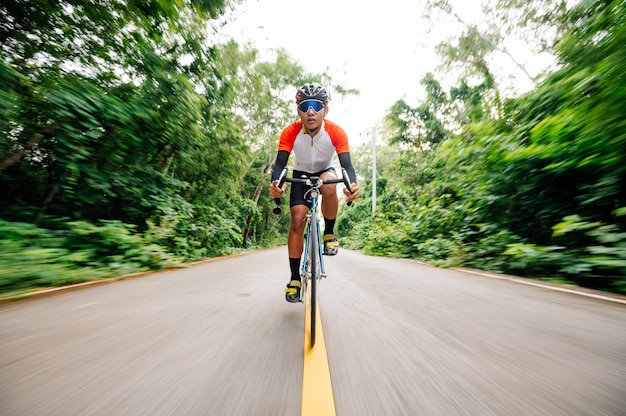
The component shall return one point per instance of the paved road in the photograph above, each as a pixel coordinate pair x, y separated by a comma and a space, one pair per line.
402, 339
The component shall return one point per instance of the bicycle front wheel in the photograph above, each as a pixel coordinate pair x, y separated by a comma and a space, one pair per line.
313, 253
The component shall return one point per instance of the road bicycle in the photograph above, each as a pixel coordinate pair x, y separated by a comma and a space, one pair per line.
312, 265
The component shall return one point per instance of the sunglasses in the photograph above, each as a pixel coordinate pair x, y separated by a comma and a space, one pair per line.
317, 106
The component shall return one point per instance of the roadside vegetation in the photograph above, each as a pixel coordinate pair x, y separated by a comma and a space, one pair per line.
533, 185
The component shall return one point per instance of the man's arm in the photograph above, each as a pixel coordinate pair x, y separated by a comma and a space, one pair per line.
281, 161
346, 163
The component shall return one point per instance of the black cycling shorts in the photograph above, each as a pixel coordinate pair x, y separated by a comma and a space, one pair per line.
298, 190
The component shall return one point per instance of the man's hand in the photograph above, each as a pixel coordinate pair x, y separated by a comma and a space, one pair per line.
354, 195
275, 191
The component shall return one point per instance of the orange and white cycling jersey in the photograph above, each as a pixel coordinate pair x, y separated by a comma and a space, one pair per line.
313, 154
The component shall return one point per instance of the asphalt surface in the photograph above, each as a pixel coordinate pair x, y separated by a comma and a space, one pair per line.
402, 338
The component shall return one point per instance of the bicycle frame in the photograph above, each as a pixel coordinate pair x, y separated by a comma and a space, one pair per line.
312, 221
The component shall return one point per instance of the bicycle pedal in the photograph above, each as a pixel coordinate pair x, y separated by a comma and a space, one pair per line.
291, 290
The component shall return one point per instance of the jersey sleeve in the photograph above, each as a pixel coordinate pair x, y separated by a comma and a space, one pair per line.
288, 136
338, 137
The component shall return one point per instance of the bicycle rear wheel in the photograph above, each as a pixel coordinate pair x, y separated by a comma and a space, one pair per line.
313, 253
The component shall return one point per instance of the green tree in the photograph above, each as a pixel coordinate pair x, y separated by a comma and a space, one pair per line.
118, 111
498, 192
424, 126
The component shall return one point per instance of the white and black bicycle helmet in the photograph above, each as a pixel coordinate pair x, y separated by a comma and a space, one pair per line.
312, 91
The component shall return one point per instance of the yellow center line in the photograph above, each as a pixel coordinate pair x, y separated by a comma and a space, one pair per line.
317, 390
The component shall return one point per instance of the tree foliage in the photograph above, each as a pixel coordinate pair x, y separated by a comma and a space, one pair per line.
531, 185
130, 142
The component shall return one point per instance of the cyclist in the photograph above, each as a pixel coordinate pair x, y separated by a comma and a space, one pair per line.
313, 141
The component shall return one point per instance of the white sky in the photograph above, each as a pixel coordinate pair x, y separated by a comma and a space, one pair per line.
381, 48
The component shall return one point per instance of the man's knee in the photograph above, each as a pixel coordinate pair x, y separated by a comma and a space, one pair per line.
298, 217
329, 191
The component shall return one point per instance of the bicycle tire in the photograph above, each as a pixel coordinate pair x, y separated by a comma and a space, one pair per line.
313, 253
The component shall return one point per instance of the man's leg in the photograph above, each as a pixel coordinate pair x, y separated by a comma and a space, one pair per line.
295, 243
330, 206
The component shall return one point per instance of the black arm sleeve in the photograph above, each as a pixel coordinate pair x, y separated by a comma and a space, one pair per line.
346, 163
281, 161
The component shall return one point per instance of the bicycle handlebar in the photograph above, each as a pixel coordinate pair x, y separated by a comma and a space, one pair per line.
312, 181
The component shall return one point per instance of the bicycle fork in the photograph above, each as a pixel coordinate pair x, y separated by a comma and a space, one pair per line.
306, 266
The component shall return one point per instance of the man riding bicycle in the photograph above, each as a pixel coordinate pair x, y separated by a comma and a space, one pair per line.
313, 141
